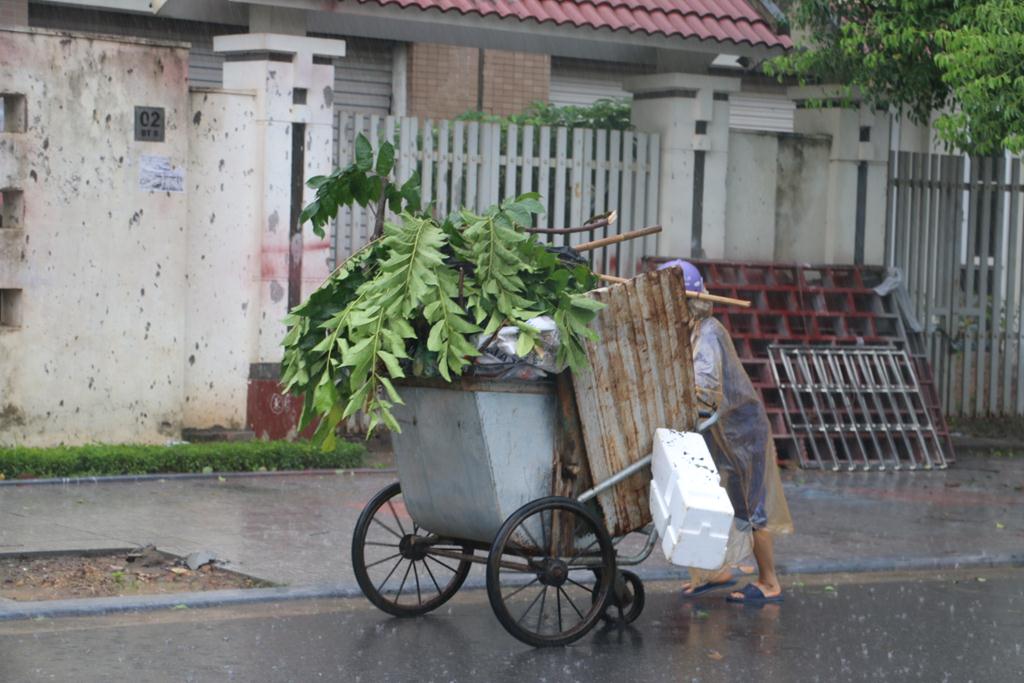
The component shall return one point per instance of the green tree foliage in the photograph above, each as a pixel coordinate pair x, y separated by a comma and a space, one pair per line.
964, 57
417, 296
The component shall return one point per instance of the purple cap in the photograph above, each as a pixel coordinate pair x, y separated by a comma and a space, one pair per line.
691, 276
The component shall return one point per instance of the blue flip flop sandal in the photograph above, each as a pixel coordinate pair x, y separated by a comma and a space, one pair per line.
752, 595
707, 588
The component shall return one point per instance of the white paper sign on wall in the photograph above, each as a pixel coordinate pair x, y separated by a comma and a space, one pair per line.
158, 174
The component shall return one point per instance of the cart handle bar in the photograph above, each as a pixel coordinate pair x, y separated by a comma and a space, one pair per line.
635, 467
615, 479
708, 423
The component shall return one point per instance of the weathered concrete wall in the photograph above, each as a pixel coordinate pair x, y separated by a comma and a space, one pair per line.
777, 197
223, 257
801, 198
100, 353
860, 136
794, 197
908, 136
750, 196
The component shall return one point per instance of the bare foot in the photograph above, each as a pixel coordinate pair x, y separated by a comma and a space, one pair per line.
721, 577
770, 591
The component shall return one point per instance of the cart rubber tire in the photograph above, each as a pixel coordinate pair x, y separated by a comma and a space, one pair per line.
501, 551
387, 602
635, 600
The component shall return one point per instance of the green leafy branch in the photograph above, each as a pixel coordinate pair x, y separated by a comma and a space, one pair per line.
449, 328
495, 247
364, 182
425, 290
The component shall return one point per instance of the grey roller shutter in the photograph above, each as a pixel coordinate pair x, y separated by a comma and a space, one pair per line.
362, 80
567, 91
761, 111
581, 82
362, 83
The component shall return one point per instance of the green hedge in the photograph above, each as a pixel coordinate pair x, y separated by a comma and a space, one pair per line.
248, 456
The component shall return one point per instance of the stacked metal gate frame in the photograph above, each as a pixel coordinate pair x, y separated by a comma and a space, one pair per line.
856, 408
811, 305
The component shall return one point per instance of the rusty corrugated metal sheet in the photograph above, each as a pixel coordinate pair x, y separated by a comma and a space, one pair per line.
640, 378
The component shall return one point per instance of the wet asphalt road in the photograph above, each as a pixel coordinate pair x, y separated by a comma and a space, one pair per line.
932, 627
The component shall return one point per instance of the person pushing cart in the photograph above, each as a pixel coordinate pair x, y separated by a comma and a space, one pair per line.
742, 448
476, 474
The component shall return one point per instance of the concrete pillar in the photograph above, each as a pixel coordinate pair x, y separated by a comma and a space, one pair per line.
293, 79
857, 173
691, 113
400, 80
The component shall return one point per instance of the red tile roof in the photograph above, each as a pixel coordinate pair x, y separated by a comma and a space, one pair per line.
724, 21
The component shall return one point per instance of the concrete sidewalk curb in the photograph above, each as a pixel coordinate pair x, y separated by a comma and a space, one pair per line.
896, 564
86, 607
12, 610
861, 566
129, 478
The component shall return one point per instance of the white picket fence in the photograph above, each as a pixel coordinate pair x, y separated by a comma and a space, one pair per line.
579, 173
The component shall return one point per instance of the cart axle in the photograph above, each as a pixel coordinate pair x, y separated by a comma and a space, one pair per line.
553, 573
413, 547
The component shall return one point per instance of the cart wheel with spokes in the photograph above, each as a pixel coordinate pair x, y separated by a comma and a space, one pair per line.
539, 561
625, 600
401, 568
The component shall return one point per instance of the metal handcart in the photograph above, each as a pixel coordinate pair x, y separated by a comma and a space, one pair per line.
474, 462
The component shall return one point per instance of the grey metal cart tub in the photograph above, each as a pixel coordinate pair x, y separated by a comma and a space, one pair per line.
474, 461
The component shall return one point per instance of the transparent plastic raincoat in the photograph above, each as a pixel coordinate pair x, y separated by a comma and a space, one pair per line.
740, 442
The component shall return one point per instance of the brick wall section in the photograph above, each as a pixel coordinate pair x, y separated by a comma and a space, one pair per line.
443, 80
13, 12
515, 80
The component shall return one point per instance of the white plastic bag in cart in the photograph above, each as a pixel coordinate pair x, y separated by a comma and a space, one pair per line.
499, 359
691, 510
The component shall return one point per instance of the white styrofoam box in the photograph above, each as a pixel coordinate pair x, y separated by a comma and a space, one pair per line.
691, 510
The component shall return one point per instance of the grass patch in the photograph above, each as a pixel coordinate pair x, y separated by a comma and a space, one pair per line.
249, 456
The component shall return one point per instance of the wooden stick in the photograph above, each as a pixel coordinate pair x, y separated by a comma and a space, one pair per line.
565, 231
599, 223
703, 296
605, 241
